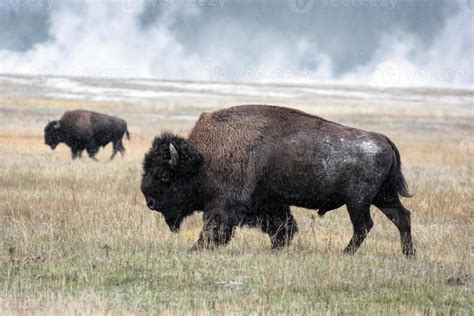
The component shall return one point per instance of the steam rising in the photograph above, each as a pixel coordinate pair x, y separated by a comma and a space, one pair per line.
235, 40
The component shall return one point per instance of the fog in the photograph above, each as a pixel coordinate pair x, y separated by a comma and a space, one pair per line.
374, 42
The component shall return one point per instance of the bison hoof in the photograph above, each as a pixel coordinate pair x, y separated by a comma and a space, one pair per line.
195, 248
200, 247
349, 251
279, 245
410, 253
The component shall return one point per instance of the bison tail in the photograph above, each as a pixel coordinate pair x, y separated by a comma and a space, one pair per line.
396, 181
127, 134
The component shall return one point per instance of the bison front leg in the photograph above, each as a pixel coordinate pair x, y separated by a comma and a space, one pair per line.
75, 153
92, 149
281, 229
219, 226
114, 152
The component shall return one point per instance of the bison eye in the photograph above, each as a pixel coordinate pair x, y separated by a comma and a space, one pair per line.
164, 177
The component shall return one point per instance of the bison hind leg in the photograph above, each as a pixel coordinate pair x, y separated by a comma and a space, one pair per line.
117, 147
394, 210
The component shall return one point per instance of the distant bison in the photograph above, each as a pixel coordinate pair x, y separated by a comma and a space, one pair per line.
247, 165
86, 130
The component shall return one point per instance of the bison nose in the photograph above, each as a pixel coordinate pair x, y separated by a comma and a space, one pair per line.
150, 203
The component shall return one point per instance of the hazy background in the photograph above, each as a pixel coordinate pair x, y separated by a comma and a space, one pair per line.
377, 42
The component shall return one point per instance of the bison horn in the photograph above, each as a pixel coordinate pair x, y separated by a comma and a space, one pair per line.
174, 156
56, 126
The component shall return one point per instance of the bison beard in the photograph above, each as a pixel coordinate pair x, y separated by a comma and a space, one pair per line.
247, 165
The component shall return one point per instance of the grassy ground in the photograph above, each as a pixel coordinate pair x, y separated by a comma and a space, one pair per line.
76, 237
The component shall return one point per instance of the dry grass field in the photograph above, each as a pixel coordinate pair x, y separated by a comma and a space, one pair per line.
76, 236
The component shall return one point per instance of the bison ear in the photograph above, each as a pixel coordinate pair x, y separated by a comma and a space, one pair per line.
174, 156
56, 125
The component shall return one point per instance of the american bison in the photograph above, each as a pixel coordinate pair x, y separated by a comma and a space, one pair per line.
247, 165
86, 130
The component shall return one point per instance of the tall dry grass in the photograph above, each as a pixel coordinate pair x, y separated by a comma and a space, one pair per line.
76, 237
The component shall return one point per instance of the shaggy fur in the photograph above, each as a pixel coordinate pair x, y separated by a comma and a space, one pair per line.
86, 130
247, 165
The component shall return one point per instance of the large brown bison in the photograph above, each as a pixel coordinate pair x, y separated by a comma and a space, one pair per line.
86, 130
247, 165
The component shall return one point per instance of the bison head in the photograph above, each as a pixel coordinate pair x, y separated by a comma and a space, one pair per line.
52, 134
170, 181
